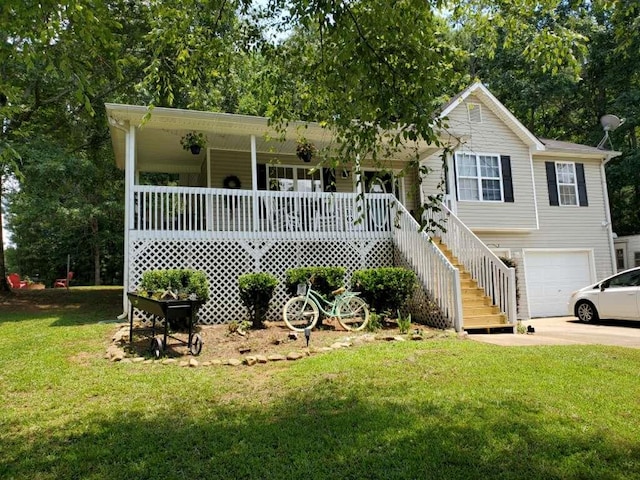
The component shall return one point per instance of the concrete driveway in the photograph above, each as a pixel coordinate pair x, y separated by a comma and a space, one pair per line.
569, 331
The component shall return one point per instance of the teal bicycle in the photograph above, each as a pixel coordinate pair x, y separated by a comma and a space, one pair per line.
348, 308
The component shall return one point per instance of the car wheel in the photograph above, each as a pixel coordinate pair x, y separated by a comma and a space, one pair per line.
586, 312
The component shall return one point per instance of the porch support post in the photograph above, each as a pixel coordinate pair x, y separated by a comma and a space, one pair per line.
208, 168
254, 182
512, 302
129, 179
457, 301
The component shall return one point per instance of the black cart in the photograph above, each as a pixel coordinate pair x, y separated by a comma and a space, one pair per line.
168, 310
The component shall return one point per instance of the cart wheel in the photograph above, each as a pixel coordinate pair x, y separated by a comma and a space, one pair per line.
196, 344
156, 347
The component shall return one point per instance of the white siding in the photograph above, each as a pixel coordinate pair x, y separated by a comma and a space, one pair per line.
561, 227
494, 137
632, 243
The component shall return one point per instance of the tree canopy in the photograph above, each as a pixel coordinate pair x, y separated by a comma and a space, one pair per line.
374, 72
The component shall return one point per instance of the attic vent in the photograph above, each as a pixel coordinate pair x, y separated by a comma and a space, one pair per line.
475, 112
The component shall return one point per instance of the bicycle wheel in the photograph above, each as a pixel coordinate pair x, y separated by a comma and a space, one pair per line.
300, 313
353, 313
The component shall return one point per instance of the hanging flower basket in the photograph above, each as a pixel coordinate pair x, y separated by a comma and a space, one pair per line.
305, 151
194, 142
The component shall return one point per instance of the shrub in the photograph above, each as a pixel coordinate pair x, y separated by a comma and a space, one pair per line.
509, 262
385, 289
256, 291
325, 279
182, 282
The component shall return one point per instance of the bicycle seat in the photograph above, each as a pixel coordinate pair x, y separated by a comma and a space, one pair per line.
339, 291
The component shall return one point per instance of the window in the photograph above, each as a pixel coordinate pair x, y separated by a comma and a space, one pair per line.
636, 259
475, 112
620, 259
567, 183
479, 177
293, 179
626, 279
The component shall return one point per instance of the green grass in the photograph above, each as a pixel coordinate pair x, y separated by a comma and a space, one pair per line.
435, 409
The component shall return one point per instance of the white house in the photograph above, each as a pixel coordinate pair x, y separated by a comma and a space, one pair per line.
542, 202
248, 203
627, 251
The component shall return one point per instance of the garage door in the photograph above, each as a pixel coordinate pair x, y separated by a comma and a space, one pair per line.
551, 277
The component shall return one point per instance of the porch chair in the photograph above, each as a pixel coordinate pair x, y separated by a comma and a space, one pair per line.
281, 216
15, 282
63, 282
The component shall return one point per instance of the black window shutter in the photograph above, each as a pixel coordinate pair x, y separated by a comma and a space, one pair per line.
507, 181
582, 185
552, 184
455, 177
262, 176
329, 179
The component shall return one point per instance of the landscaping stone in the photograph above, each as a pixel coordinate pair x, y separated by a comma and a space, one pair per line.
234, 362
183, 363
261, 359
244, 350
325, 349
250, 361
193, 362
169, 361
399, 338
276, 357
294, 356
216, 362
386, 338
137, 359
336, 345
147, 362
416, 336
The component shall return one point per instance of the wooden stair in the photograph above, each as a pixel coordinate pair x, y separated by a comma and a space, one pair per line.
478, 312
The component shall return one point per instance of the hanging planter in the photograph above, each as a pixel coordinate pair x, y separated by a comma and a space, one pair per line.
305, 151
194, 142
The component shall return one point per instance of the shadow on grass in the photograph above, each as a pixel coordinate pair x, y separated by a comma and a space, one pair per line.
327, 436
77, 306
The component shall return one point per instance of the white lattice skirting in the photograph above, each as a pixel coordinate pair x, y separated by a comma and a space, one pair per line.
224, 260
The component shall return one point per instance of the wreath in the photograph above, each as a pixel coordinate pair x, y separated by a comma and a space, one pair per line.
231, 182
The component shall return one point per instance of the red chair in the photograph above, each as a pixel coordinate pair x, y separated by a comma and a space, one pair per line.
15, 282
63, 282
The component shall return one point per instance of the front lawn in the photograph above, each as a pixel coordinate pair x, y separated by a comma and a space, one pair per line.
444, 408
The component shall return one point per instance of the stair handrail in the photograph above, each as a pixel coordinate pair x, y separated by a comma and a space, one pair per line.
496, 279
439, 277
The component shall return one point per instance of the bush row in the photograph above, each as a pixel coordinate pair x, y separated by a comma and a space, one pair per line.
384, 289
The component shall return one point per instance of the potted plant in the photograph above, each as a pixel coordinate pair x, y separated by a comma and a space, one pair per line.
194, 141
305, 151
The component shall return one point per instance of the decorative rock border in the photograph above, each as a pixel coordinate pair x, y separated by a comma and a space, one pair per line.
116, 353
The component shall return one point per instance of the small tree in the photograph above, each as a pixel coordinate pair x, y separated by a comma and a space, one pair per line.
256, 291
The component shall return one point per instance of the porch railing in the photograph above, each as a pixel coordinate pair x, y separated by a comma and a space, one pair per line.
439, 277
496, 279
180, 210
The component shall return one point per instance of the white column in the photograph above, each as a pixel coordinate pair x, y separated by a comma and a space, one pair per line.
254, 182
129, 179
208, 168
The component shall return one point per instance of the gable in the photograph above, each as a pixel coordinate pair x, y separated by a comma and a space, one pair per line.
478, 94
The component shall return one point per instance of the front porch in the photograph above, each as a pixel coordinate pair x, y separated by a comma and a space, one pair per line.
288, 214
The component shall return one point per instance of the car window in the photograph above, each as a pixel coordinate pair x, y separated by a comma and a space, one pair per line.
626, 279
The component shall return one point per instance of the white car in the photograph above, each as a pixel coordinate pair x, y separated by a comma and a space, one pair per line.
615, 297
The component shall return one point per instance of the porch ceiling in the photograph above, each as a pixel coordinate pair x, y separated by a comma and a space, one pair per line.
158, 146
